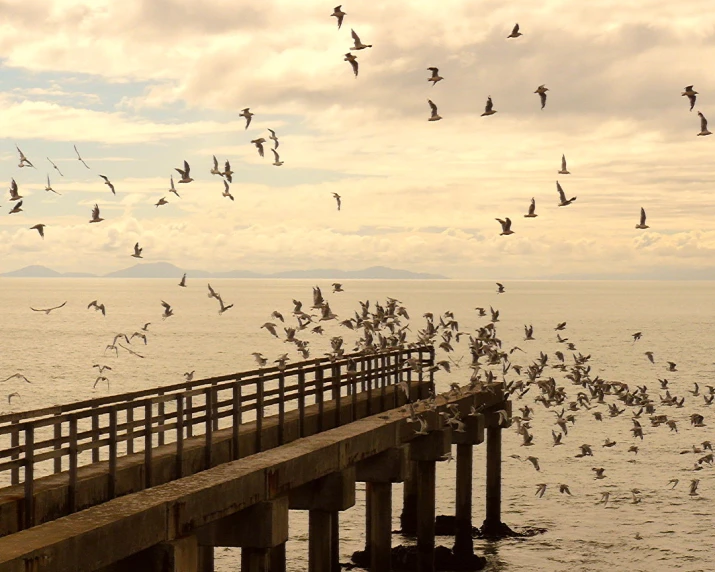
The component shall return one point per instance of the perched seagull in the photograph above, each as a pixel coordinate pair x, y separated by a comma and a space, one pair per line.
167, 310
277, 162
24, 162
489, 107
703, 125
137, 251
435, 76
173, 188
17, 208
214, 169
16, 376
563, 201
109, 183
185, 178
691, 95
358, 44
353, 62
532, 209
227, 172
79, 157
642, 225
14, 193
97, 307
564, 170
515, 33
48, 310
56, 167
435, 116
161, 202
339, 14
95, 215
505, 227
39, 228
49, 188
500, 288
189, 375
337, 198
247, 114
541, 90
226, 191
259, 145
183, 281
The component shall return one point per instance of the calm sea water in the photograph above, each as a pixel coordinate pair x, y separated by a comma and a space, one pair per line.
57, 352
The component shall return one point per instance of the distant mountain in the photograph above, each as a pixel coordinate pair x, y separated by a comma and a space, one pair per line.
167, 270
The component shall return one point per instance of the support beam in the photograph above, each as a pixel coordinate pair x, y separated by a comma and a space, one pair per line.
330, 493
255, 560
492, 522
463, 543
379, 533
319, 540
408, 517
425, 515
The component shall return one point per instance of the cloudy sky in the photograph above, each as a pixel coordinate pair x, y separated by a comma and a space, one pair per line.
141, 85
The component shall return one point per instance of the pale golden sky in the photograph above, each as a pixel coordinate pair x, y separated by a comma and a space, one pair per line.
140, 86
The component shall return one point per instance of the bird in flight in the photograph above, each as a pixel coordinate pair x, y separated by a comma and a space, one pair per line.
489, 107
435, 77
16, 376
637, 336
532, 210
563, 201
14, 193
95, 215
214, 169
247, 114
358, 44
434, 116
277, 162
173, 188
703, 125
353, 62
17, 208
337, 198
226, 191
109, 183
49, 188
79, 157
167, 310
505, 227
691, 93
259, 145
223, 306
97, 307
515, 33
56, 167
541, 90
39, 228
500, 288
339, 14
161, 202
48, 310
227, 172
212, 293
650, 357
183, 281
185, 172
24, 162
137, 251
564, 170
642, 225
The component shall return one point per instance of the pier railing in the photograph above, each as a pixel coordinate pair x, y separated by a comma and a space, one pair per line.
65, 437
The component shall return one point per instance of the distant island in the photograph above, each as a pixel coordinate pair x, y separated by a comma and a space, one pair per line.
167, 270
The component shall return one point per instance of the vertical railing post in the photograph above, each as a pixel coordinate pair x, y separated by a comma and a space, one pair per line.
160, 419
259, 413
409, 377
431, 373
57, 446
189, 416
319, 394
383, 382
113, 451
208, 396
301, 401
368, 381
281, 408
337, 390
214, 405
235, 449
179, 435
420, 376
130, 427
147, 443
72, 489
15, 442
29, 476
95, 435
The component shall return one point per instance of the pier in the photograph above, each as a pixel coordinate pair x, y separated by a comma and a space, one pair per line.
155, 480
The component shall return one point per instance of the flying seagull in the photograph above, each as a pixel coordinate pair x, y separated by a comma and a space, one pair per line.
247, 114
185, 173
226, 191
227, 172
161, 202
95, 215
79, 157
56, 167
48, 310
337, 198
183, 281
505, 227
564, 170
642, 224
167, 310
97, 307
14, 193
17, 208
435, 76
353, 62
214, 169
532, 209
515, 33
173, 188
358, 44
259, 145
489, 107
500, 288
24, 162
339, 14
435, 116
39, 228
49, 188
137, 251
703, 125
563, 201
691, 93
109, 183
277, 162
541, 90
223, 307
16, 376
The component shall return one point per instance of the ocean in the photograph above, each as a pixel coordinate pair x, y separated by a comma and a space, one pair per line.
666, 530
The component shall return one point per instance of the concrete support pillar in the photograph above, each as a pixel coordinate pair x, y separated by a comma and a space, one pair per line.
408, 517
278, 558
368, 517
206, 559
463, 543
492, 522
319, 540
425, 515
379, 533
255, 560
335, 541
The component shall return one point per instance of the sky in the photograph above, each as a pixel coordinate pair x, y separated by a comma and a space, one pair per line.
142, 85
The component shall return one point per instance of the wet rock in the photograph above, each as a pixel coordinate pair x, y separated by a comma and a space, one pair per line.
404, 559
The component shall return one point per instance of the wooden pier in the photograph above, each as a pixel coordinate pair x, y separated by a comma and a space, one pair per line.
178, 470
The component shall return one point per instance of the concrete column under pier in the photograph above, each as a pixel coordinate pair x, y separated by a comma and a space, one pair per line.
206, 559
492, 523
278, 558
319, 540
255, 560
408, 517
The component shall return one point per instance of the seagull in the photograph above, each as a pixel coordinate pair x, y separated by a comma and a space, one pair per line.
108, 182
500, 288
674, 482
505, 227
167, 310
650, 357
562, 196
694, 487
564, 170
95, 215
529, 332
703, 125
185, 178
137, 251
540, 489
534, 461
515, 33
100, 378
671, 366
161, 202
247, 114
564, 489
604, 498
271, 327
353, 62
273, 138
599, 473
226, 191
277, 162
11, 395
259, 145
642, 225
183, 281
637, 336
173, 188
17, 208
55, 166
691, 93
49, 188
339, 14
223, 307
189, 375
14, 194
337, 198
212, 293
16, 376
24, 162
489, 107
423, 426
435, 116
260, 360
97, 307
214, 169
227, 172
541, 90
79, 157
358, 44
39, 228
48, 310
532, 209
435, 76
